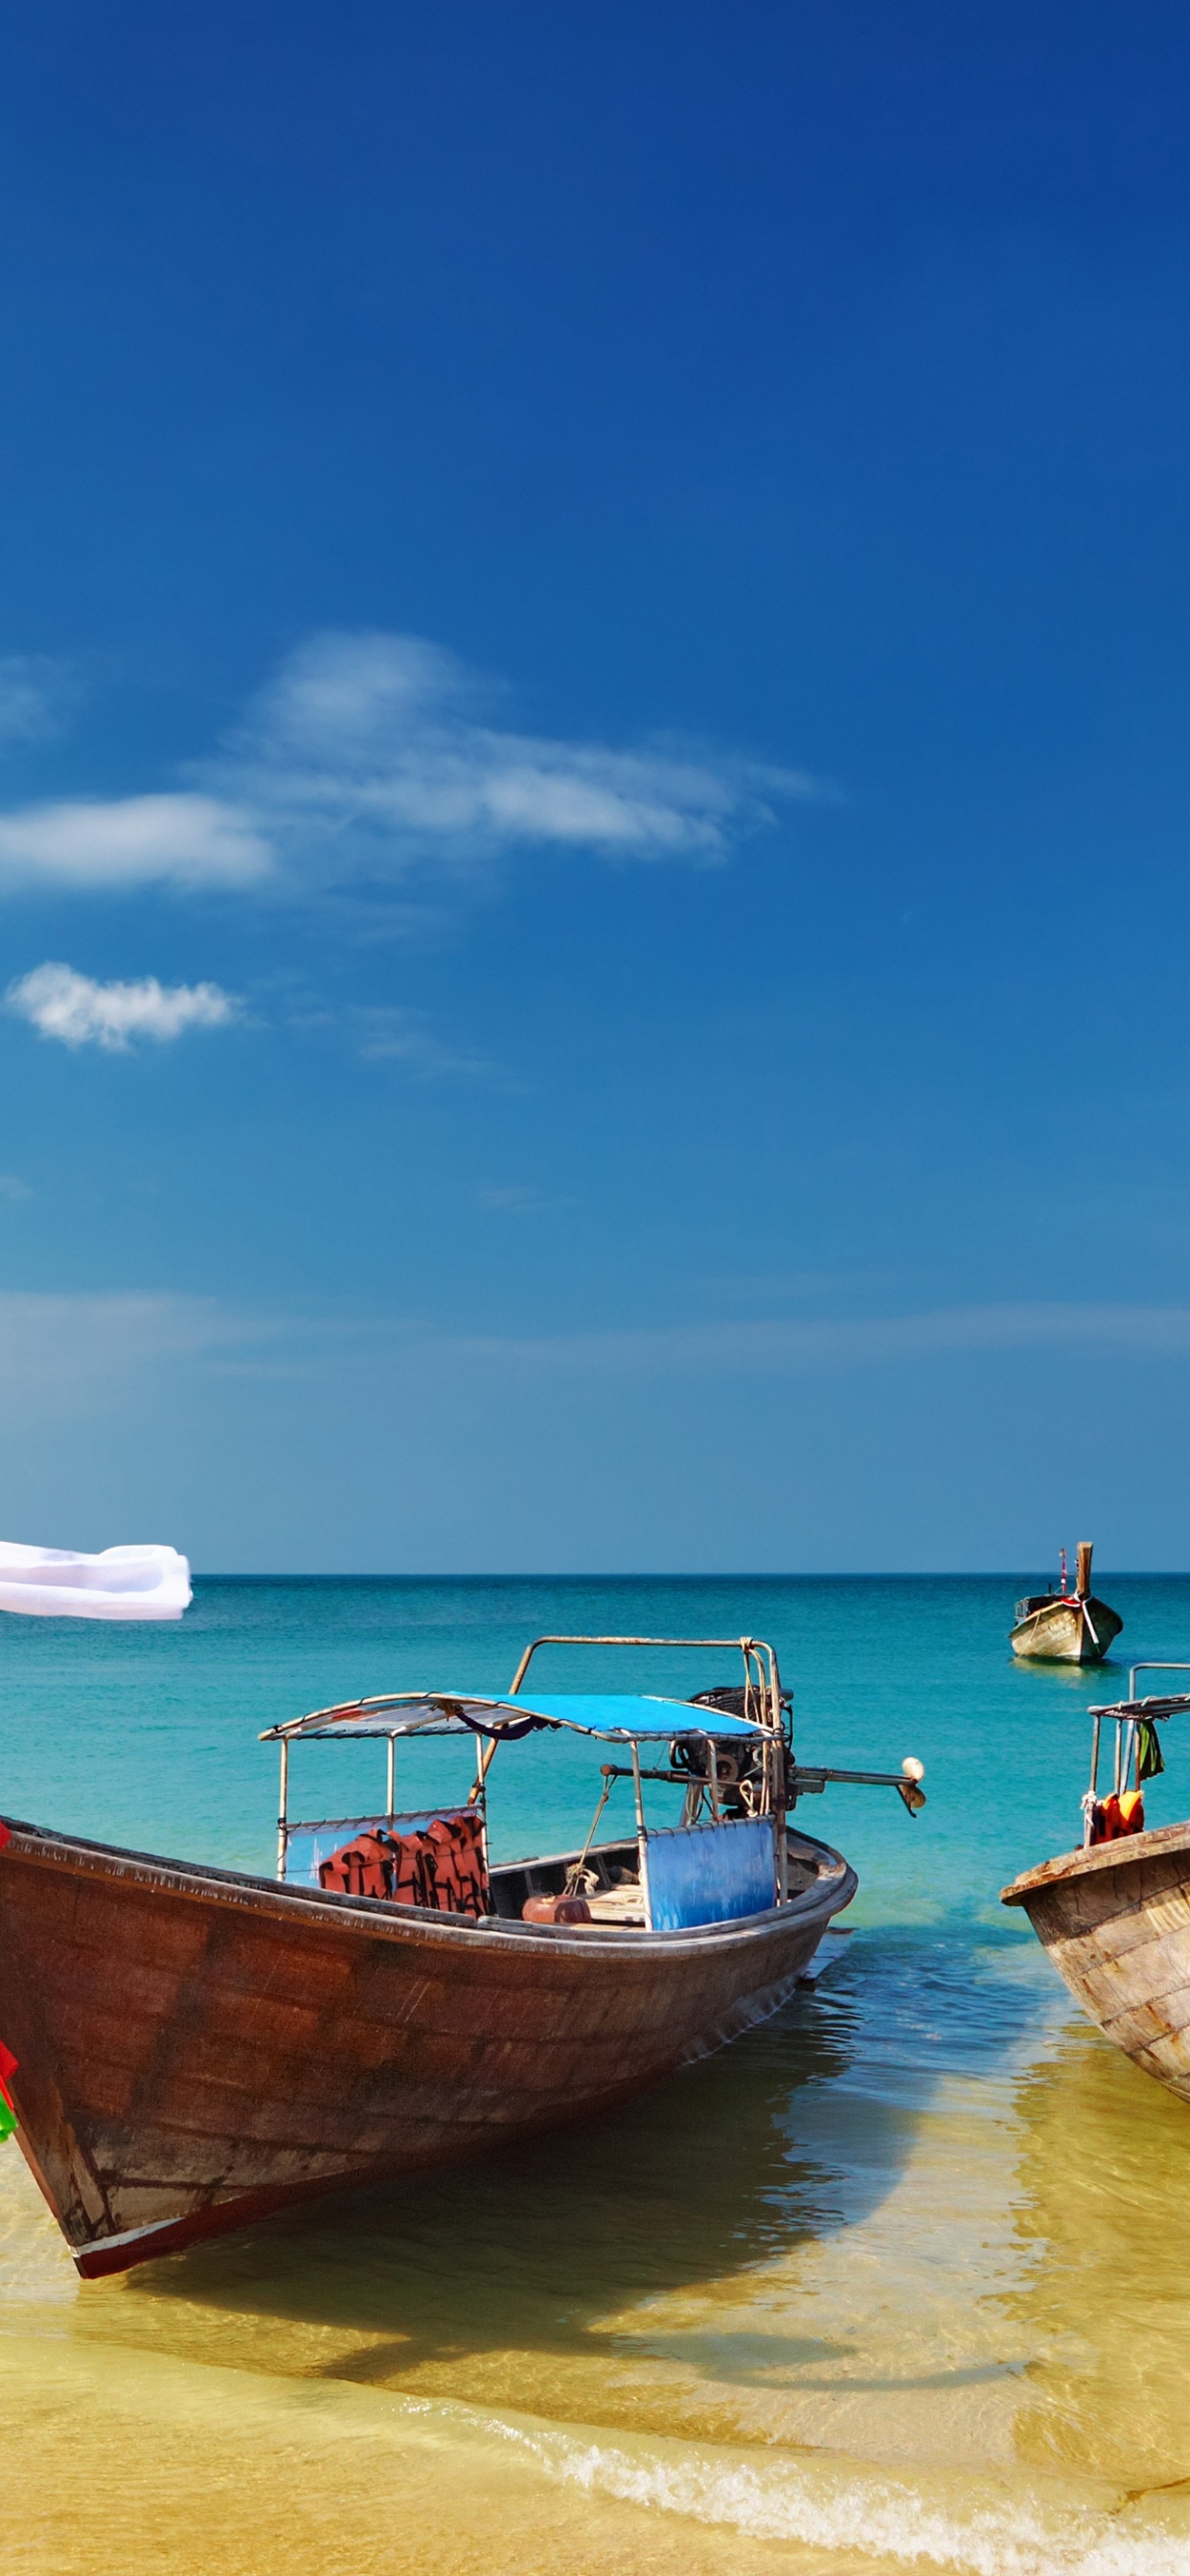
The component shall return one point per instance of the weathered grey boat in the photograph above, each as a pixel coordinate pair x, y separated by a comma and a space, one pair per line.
1066, 1627
1115, 1916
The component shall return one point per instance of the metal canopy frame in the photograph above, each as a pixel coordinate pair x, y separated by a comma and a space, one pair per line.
441, 1713
410, 1713
1128, 1716
763, 1703
761, 1676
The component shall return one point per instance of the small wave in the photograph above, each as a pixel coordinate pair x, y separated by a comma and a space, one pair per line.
866, 2515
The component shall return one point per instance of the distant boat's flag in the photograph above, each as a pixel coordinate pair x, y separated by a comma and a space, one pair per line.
123, 1583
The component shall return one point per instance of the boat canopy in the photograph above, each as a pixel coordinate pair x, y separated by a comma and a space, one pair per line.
614, 1717
1173, 1706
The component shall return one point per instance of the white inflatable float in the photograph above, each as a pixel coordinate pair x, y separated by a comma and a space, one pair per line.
122, 1583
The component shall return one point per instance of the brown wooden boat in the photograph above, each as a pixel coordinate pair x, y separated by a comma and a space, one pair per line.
197, 2047
1116, 1923
1066, 1627
1115, 1916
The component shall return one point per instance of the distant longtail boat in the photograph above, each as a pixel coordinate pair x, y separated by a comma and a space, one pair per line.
1066, 1627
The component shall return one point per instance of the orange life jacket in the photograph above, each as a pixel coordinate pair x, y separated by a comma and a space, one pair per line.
1113, 1818
439, 1866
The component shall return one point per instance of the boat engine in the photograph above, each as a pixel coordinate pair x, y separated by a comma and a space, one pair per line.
739, 1761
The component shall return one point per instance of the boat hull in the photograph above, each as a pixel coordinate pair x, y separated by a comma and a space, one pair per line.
197, 2049
1115, 1920
1060, 1634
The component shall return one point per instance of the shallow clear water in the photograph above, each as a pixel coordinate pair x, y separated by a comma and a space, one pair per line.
900, 2280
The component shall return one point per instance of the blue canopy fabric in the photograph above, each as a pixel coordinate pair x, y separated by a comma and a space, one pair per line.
612, 1714
614, 1717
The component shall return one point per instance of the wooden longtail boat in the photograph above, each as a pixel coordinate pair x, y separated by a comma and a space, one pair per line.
1115, 1916
1066, 1627
197, 2047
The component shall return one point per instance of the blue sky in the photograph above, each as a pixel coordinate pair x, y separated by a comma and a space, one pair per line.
594, 783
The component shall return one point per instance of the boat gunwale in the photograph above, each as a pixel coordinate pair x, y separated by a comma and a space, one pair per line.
1153, 1844
202, 1882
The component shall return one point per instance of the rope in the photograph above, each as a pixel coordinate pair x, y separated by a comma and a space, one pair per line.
574, 1875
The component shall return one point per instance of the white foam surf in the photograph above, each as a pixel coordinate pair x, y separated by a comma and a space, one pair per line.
862, 2513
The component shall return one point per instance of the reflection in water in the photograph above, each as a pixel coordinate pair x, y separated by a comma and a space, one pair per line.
516, 2278
683, 2265
1104, 2222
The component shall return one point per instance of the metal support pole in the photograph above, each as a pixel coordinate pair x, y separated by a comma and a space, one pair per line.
713, 1776
641, 1827
777, 1758
392, 1775
482, 1768
780, 1829
741, 1643
281, 1832
1152, 1668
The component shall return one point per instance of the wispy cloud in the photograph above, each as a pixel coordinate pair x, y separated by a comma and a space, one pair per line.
80, 1012
392, 1035
94, 1340
371, 751
789, 1346
184, 840
374, 1339
36, 693
372, 758
514, 1198
63, 1355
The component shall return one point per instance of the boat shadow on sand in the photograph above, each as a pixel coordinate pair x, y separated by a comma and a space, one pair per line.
557, 2249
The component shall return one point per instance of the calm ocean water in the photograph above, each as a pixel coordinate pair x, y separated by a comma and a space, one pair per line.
901, 2280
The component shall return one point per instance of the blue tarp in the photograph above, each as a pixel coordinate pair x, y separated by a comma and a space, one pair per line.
709, 1874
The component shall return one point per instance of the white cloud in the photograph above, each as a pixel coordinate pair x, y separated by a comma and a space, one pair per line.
370, 758
368, 753
184, 839
80, 1012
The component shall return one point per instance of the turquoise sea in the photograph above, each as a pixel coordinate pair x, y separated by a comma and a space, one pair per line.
901, 2280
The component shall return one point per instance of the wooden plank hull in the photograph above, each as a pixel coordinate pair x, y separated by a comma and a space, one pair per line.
197, 2048
1059, 1633
1115, 1920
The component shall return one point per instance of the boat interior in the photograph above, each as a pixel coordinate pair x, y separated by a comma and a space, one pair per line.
727, 1858
609, 1878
